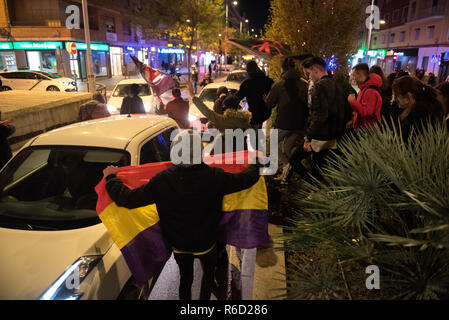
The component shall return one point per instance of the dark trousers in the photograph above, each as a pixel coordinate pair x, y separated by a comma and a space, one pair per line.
185, 263
318, 161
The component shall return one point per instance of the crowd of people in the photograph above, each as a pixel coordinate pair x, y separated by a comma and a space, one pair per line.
315, 109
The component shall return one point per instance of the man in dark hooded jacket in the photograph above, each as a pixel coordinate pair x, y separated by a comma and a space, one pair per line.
254, 88
290, 95
189, 200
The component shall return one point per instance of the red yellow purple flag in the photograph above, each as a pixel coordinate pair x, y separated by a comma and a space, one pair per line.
137, 232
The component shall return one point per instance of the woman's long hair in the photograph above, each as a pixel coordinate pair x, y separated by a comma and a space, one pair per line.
428, 101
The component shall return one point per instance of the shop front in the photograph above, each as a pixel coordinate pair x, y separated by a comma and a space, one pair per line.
401, 59
116, 61
7, 57
167, 56
100, 57
39, 56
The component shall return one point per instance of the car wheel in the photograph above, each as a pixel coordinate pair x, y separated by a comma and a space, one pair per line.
133, 291
53, 88
6, 88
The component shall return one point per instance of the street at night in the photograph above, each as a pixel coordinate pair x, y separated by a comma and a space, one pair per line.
245, 153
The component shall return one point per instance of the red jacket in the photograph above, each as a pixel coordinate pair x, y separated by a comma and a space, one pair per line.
368, 105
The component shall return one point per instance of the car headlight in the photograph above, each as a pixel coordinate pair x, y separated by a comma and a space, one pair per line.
192, 118
111, 108
147, 107
67, 286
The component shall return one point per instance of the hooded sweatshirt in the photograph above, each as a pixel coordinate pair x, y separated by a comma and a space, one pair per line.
368, 106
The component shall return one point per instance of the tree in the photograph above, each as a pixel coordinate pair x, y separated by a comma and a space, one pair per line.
322, 28
197, 21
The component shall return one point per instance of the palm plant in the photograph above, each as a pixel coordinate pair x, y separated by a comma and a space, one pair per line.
383, 202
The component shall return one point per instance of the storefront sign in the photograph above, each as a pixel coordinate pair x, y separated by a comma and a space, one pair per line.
399, 54
130, 49
71, 47
6, 46
153, 49
171, 50
37, 45
435, 58
372, 53
390, 53
93, 46
382, 53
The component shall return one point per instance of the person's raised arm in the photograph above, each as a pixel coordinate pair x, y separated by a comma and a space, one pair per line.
125, 197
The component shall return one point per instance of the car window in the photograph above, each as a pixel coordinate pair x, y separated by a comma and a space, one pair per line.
211, 94
38, 76
11, 75
122, 90
157, 149
237, 77
8, 75
53, 188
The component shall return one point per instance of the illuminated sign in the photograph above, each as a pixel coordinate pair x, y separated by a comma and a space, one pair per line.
37, 45
6, 46
372, 53
170, 45
93, 46
400, 54
71, 47
390, 53
153, 49
130, 49
382, 53
171, 50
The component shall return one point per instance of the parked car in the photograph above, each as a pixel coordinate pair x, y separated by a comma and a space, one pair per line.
36, 81
48, 220
120, 91
209, 94
237, 76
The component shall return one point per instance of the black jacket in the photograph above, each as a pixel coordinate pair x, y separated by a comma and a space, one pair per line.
5, 149
254, 88
327, 113
292, 111
189, 201
132, 105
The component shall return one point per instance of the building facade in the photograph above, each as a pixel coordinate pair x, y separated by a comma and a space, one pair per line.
415, 35
35, 35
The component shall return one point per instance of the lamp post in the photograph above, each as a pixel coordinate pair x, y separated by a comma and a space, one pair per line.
90, 77
226, 31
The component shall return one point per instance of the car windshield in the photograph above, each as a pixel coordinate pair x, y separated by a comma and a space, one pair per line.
52, 188
49, 74
211, 94
122, 90
237, 77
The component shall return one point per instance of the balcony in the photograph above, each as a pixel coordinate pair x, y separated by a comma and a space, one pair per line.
437, 11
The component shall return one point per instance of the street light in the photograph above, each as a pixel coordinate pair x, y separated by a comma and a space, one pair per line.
235, 3
188, 20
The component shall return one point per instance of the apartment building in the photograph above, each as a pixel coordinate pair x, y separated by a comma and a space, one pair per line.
415, 35
34, 35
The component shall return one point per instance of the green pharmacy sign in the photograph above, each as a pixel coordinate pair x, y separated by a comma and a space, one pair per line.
37, 45
6, 46
93, 46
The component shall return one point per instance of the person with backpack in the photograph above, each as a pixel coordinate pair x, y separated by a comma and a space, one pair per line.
368, 104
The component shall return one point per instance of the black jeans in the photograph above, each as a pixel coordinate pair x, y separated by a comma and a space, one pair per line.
185, 263
318, 161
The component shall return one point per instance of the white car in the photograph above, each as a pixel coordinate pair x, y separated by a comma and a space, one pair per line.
237, 76
48, 220
208, 96
36, 81
149, 98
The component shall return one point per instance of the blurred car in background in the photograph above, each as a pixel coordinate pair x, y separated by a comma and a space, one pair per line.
36, 81
237, 76
149, 98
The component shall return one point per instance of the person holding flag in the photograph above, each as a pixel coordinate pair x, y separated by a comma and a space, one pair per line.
189, 200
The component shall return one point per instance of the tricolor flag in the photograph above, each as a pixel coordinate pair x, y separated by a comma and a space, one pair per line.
137, 232
160, 82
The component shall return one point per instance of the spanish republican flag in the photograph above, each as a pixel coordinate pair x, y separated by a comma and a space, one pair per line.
138, 234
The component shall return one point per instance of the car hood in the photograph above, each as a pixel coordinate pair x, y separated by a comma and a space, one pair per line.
193, 110
32, 260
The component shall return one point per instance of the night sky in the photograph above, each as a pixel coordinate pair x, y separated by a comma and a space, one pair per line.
256, 11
